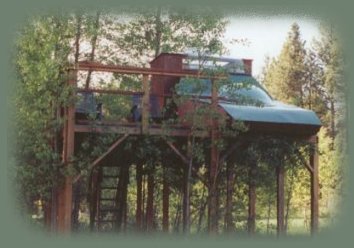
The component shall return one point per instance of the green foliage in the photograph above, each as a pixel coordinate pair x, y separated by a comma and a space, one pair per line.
41, 61
314, 80
284, 76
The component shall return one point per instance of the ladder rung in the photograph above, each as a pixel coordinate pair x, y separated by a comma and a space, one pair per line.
110, 176
109, 210
108, 187
106, 221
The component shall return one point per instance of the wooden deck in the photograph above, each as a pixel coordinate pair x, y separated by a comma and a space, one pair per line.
83, 126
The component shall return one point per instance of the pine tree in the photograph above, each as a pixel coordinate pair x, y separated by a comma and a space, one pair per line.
285, 77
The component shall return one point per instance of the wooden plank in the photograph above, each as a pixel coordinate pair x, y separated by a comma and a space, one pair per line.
135, 129
86, 66
110, 91
174, 148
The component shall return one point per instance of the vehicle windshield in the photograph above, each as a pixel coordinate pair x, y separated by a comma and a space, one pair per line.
240, 89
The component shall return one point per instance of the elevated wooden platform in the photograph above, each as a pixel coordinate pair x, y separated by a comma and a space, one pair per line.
82, 126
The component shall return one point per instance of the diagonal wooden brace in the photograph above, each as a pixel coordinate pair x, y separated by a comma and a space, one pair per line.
100, 158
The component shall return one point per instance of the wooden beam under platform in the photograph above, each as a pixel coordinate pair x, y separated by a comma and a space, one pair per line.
100, 158
95, 66
135, 129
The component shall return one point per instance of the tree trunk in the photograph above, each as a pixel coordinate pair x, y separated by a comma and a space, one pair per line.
185, 218
178, 216
47, 209
143, 206
230, 177
93, 196
269, 212
158, 32
77, 185
315, 190
139, 197
213, 201
77, 37
121, 198
76, 205
165, 202
252, 199
93, 47
333, 123
280, 200
150, 202
288, 201
125, 197
202, 208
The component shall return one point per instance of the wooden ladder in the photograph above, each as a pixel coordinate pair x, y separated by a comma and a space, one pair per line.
106, 216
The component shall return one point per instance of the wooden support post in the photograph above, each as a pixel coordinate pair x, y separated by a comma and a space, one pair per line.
314, 186
214, 162
252, 199
65, 190
165, 202
139, 196
145, 104
280, 200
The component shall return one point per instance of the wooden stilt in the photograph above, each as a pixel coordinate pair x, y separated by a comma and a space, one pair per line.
280, 200
65, 190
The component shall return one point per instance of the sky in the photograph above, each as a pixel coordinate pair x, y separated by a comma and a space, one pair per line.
265, 36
